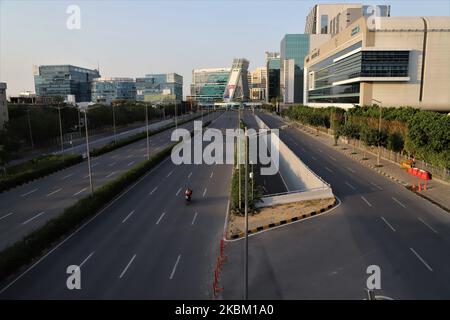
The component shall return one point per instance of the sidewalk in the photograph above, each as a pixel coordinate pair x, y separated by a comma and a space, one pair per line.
437, 191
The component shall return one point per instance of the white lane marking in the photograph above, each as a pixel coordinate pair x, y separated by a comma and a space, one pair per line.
131, 163
365, 200
126, 268
204, 192
94, 165
70, 236
129, 215
314, 158
195, 216
86, 176
154, 189
175, 267
396, 200
332, 158
109, 175
29, 192
351, 170
352, 187
430, 227
86, 259
77, 193
114, 156
388, 224
169, 174
320, 150
68, 176
6, 215
112, 164
212, 173
53, 192
328, 169
376, 186
178, 192
160, 218
130, 156
31, 219
421, 259
190, 174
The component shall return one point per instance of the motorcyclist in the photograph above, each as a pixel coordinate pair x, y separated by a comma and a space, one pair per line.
188, 193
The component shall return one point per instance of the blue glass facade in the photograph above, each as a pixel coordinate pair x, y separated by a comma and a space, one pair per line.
296, 47
167, 88
209, 84
63, 80
109, 89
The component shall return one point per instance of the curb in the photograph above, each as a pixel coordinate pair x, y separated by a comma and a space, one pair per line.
282, 222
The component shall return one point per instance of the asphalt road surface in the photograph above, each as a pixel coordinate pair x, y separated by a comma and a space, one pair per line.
30, 205
378, 223
148, 244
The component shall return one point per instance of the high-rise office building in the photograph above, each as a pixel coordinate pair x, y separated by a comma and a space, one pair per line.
160, 88
257, 83
293, 50
106, 90
64, 81
3, 105
208, 85
237, 88
401, 61
273, 76
333, 18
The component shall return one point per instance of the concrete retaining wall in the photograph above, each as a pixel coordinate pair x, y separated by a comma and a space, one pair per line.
302, 183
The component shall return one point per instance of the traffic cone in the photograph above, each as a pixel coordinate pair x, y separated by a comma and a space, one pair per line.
420, 186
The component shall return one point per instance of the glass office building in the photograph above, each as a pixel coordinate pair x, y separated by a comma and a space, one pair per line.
336, 79
63, 81
273, 76
293, 49
208, 85
160, 88
106, 90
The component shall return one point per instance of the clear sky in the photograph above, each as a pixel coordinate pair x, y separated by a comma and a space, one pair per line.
133, 38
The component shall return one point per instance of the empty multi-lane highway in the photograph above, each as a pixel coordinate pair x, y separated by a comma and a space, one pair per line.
149, 243
378, 222
29, 206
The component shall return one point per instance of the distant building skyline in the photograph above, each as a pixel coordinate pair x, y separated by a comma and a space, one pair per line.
35, 33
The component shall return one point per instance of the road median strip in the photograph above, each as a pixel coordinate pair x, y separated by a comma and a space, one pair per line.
235, 236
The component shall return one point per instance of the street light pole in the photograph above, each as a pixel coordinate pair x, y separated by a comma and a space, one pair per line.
146, 123
114, 123
246, 215
176, 112
379, 133
60, 130
88, 152
29, 128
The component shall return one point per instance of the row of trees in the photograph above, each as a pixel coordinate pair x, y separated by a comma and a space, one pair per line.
422, 134
39, 125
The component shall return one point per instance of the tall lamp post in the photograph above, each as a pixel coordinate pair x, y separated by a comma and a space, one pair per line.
146, 125
114, 122
379, 132
60, 130
29, 129
88, 152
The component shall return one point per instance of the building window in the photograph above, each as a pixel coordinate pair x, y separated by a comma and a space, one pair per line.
324, 24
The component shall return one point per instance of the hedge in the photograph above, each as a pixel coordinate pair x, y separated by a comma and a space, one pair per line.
37, 168
39, 241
